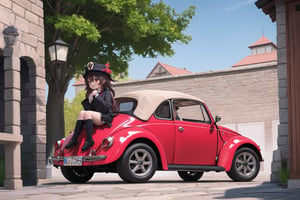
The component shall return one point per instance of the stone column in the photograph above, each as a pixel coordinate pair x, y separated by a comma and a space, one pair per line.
281, 155
12, 98
293, 70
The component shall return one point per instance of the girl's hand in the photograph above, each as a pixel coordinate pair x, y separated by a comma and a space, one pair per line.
93, 93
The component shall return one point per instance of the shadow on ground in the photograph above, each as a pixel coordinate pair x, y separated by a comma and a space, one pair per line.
265, 191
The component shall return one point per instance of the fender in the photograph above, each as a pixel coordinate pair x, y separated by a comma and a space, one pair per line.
230, 147
124, 137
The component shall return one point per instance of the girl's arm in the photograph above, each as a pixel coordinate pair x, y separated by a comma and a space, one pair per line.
103, 102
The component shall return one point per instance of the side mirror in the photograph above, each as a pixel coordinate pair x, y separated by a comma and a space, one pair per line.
217, 119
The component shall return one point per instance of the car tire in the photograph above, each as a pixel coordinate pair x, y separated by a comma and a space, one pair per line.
77, 174
190, 175
138, 163
245, 165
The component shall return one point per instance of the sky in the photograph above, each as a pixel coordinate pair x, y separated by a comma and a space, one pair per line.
221, 32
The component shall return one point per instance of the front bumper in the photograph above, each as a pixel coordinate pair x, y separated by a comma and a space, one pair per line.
59, 159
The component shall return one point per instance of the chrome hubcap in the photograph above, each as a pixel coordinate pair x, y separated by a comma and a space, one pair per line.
140, 162
245, 164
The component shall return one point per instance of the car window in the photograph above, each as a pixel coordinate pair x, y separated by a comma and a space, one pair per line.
189, 110
163, 111
126, 105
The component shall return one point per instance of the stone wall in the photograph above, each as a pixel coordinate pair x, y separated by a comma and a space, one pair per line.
27, 66
1, 95
281, 155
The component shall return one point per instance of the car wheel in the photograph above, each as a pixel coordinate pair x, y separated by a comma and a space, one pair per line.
190, 175
137, 164
245, 165
77, 174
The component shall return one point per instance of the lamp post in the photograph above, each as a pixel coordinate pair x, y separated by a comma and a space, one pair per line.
58, 51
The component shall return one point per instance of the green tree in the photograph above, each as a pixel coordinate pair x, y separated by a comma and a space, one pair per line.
104, 30
72, 110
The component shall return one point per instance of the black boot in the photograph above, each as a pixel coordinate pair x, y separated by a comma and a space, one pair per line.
77, 131
89, 131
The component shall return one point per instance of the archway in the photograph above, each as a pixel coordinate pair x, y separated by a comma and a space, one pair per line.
1, 92
28, 122
1, 116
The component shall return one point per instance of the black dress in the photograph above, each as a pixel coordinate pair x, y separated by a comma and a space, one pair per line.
101, 103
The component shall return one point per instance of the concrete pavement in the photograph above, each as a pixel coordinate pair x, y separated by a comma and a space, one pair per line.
163, 186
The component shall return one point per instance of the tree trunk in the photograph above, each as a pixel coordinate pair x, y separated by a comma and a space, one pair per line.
55, 118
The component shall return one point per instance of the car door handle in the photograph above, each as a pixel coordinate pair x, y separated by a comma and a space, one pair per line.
181, 129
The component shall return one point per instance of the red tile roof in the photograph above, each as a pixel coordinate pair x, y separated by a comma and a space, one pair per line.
79, 81
174, 70
261, 41
258, 58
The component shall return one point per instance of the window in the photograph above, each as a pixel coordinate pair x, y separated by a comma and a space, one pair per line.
189, 110
126, 105
163, 111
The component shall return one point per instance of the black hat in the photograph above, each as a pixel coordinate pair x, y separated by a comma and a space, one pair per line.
95, 67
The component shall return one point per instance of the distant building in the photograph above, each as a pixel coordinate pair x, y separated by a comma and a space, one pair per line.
162, 69
263, 51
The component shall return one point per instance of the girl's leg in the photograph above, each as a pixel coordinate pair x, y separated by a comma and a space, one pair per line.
91, 118
77, 131
89, 131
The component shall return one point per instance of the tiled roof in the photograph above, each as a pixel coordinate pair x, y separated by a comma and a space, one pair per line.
174, 70
170, 69
258, 58
79, 81
261, 41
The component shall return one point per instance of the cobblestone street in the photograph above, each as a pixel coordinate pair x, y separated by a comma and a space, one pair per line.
163, 186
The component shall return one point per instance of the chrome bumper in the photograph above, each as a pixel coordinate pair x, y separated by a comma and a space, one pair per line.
84, 158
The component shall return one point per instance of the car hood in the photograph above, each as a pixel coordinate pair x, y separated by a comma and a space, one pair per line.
222, 128
227, 133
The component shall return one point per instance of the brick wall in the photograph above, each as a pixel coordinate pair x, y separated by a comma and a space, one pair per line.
28, 57
237, 95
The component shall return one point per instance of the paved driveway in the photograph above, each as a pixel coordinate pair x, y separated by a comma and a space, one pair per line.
163, 186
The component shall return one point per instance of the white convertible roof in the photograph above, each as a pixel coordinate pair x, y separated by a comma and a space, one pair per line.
149, 100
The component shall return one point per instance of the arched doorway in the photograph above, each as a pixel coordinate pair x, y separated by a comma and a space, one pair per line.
28, 122
1, 92
1, 116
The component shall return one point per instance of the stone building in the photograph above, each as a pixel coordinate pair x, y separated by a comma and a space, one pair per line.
162, 69
22, 92
286, 13
245, 96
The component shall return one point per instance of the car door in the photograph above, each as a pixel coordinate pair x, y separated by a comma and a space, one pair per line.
161, 124
196, 136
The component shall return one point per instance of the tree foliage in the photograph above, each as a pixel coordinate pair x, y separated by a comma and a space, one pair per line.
101, 31
114, 30
72, 109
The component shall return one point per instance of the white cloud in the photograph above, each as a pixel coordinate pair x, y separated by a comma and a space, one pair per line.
239, 4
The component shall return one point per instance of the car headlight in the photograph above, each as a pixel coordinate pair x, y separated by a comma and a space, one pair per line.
58, 143
107, 142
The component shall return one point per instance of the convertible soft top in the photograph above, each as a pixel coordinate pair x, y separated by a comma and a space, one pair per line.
149, 100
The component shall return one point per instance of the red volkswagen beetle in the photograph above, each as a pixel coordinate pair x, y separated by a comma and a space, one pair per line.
160, 130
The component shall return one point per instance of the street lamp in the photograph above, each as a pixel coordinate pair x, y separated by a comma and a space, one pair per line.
58, 51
